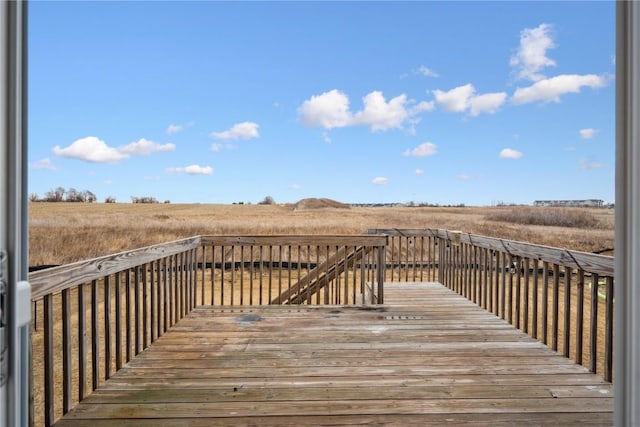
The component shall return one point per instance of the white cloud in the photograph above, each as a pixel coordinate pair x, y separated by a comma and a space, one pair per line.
326, 138
419, 172
587, 164
421, 106
43, 164
171, 129
90, 149
144, 147
587, 133
380, 180
463, 98
456, 100
192, 170
422, 150
532, 53
331, 110
509, 153
380, 114
328, 110
553, 88
244, 130
464, 177
107, 182
426, 71
487, 103
215, 147
295, 187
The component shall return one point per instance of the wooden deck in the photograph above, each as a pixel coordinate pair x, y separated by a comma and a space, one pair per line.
427, 357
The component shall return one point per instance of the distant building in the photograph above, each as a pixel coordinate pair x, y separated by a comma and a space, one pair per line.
589, 203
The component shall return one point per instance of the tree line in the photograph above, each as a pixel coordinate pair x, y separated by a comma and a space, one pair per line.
61, 194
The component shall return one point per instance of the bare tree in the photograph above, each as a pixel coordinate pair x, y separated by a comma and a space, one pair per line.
89, 197
267, 201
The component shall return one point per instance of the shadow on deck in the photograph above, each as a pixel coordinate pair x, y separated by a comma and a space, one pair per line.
428, 356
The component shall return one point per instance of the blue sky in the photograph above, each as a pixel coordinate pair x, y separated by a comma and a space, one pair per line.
216, 102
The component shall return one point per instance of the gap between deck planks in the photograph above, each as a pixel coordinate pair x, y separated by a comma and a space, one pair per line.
427, 357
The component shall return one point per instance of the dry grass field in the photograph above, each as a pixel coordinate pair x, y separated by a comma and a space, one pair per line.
62, 233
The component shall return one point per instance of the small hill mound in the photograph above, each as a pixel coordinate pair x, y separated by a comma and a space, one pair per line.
314, 203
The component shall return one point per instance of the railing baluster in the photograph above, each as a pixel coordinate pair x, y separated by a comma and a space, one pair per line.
534, 308
128, 315
213, 274
136, 310
503, 286
204, 269
242, 274
233, 274
166, 294
593, 324
525, 315
107, 327
152, 293
118, 325
517, 266
82, 344
567, 311
251, 272
545, 302
556, 297
608, 337
579, 316
279, 273
66, 353
496, 284
95, 337
222, 258
261, 272
158, 289
49, 415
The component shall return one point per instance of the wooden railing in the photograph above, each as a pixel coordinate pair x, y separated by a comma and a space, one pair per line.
257, 270
561, 297
99, 314
96, 315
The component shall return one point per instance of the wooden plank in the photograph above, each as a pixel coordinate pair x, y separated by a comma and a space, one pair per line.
294, 240
248, 394
363, 407
392, 420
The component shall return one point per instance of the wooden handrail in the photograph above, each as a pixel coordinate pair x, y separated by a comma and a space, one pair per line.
588, 262
55, 279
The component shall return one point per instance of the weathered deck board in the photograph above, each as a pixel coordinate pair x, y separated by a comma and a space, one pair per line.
427, 357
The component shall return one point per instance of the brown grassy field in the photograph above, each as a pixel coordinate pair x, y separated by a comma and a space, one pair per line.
61, 233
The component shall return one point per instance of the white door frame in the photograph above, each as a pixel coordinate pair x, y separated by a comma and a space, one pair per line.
15, 294
627, 244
